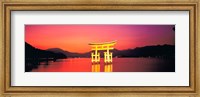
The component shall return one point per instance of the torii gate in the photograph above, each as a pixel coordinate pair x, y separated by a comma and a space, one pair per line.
102, 46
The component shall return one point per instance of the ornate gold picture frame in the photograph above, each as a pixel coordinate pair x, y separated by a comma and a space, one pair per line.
99, 5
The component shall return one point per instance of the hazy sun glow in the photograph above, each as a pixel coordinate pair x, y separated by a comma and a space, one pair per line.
75, 38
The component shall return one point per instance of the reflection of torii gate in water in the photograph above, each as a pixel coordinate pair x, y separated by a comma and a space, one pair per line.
107, 46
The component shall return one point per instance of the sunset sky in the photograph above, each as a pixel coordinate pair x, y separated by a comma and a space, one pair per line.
75, 38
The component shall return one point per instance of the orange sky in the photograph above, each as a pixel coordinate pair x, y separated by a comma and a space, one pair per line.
75, 38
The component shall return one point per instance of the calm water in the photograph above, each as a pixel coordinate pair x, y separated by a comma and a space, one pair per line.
118, 65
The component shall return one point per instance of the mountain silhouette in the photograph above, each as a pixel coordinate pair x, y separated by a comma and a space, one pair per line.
32, 52
161, 51
69, 54
164, 51
34, 56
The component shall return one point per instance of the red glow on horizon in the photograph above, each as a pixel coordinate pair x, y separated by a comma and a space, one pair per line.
75, 38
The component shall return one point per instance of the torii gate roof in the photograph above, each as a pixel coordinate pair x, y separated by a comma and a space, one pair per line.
112, 42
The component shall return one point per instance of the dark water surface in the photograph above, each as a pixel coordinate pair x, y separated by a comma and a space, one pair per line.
118, 65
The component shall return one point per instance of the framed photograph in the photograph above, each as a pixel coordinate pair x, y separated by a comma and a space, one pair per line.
100, 48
